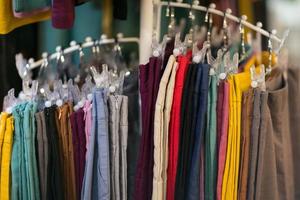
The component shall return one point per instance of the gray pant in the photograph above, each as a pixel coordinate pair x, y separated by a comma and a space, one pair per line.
118, 131
42, 144
254, 144
96, 182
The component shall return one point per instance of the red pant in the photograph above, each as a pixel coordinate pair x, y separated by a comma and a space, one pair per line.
183, 62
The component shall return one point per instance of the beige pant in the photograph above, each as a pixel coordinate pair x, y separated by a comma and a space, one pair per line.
161, 128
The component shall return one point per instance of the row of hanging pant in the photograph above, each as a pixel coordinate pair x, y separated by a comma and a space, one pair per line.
205, 138
58, 153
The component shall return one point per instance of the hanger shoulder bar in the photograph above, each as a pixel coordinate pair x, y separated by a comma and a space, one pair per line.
220, 13
86, 45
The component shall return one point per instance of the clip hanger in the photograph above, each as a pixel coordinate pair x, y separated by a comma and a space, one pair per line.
258, 79
44, 63
270, 50
10, 101
60, 54
179, 47
199, 54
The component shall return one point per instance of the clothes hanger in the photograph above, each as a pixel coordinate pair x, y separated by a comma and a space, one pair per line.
170, 12
179, 47
230, 65
199, 54
101, 79
270, 51
62, 92
118, 59
29, 86
189, 38
242, 33
10, 101
209, 21
225, 30
81, 72
158, 48
258, 78
87, 88
44, 64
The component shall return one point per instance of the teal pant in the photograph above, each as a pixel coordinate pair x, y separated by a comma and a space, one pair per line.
25, 183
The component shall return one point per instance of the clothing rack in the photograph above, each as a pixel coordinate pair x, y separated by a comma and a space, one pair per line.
147, 25
89, 42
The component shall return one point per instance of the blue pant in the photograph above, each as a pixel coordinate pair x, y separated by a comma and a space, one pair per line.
193, 187
96, 183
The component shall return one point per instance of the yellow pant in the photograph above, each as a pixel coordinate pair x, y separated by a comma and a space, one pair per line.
238, 84
6, 158
3, 118
227, 184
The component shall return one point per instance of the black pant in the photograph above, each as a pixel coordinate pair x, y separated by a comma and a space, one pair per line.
54, 183
186, 123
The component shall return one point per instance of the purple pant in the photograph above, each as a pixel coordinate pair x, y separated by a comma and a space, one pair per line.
79, 145
150, 75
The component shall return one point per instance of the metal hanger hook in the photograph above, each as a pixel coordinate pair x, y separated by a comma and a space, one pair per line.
242, 32
270, 50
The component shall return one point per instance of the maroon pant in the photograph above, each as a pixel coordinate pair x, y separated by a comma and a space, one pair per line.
79, 145
150, 75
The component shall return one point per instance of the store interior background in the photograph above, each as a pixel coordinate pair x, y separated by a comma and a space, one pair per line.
96, 18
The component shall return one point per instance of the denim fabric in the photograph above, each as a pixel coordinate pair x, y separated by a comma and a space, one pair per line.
194, 180
96, 183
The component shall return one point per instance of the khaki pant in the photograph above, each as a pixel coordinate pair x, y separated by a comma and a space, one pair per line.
294, 123
274, 176
247, 110
66, 150
161, 128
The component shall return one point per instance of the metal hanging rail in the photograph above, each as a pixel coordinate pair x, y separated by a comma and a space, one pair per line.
211, 9
75, 47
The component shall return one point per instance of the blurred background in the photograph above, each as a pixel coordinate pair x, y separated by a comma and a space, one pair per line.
96, 17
